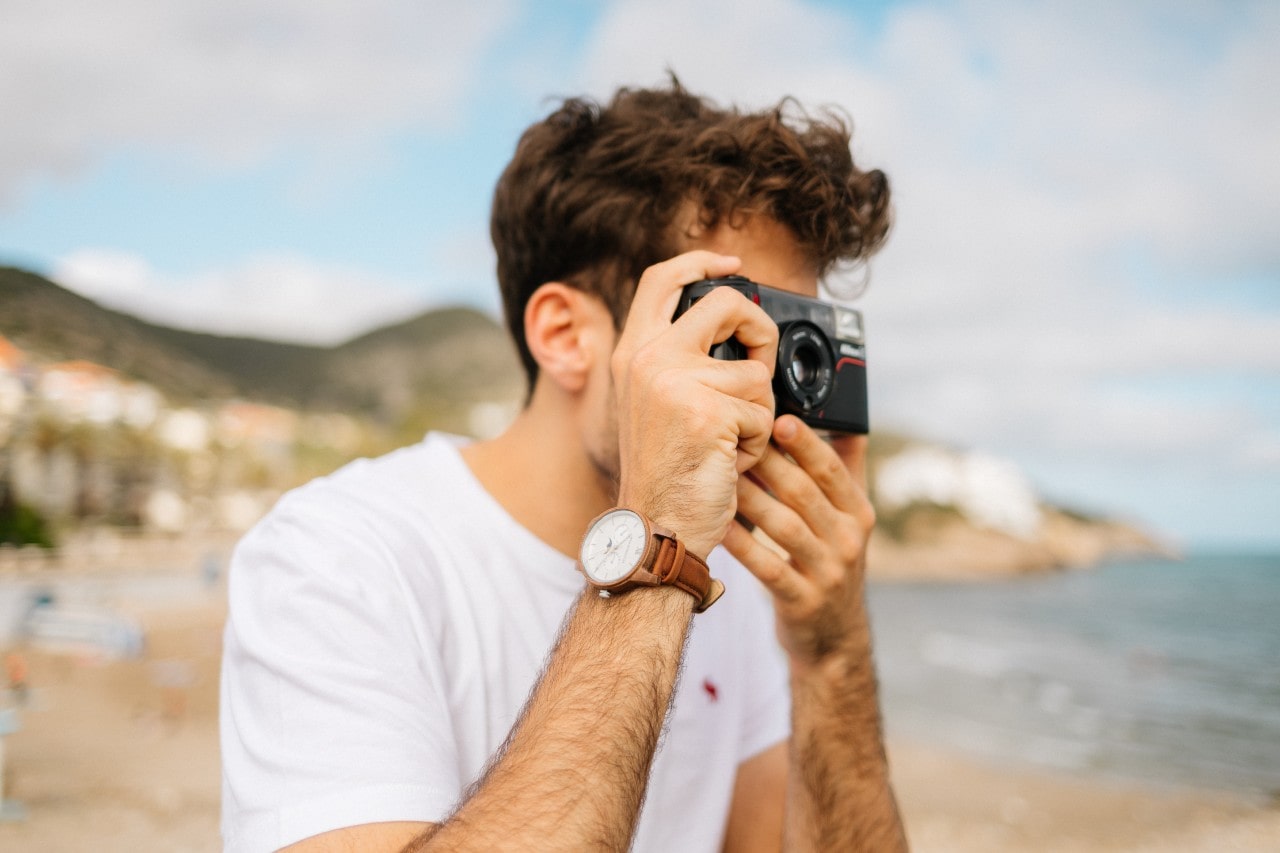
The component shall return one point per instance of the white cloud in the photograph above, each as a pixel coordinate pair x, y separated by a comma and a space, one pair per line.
1261, 452
274, 297
228, 82
106, 276
736, 49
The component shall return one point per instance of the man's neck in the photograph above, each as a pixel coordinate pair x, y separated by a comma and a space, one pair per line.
540, 473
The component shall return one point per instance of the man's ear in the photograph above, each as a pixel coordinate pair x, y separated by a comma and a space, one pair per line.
563, 329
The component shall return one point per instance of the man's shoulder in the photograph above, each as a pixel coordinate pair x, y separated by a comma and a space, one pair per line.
368, 505
369, 485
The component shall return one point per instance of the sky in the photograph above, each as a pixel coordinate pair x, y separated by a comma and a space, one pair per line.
1084, 271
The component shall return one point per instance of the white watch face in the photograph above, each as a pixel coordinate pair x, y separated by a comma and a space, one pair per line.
613, 546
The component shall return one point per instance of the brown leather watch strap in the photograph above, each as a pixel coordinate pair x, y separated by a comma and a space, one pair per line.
675, 566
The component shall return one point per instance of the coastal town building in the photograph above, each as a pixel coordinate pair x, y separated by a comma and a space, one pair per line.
989, 492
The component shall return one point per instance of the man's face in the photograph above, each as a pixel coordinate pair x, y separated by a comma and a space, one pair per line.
770, 255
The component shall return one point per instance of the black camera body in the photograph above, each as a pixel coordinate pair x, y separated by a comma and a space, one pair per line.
821, 375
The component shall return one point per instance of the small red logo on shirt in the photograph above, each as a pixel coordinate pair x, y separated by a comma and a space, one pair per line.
712, 690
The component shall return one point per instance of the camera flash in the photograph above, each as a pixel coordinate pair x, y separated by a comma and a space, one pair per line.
849, 325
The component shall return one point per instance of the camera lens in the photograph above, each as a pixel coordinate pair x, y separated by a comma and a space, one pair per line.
805, 368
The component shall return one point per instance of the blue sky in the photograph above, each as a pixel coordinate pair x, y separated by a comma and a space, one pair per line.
1084, 274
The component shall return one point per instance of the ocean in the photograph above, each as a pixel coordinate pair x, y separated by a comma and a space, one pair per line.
1150, 670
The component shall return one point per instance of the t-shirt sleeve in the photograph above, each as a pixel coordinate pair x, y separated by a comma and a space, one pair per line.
333, 708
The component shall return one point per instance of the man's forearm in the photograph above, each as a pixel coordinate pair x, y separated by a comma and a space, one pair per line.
576, 764
838, 796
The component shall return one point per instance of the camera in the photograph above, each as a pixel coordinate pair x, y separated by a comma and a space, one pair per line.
821, 375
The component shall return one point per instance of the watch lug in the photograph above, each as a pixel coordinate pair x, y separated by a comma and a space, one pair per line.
644, 578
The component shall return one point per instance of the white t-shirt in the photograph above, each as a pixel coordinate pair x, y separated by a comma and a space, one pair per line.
388, 623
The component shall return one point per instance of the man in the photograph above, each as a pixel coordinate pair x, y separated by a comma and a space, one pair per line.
412, 658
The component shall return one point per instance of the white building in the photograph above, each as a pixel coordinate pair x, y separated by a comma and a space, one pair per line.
989, 492
186, 430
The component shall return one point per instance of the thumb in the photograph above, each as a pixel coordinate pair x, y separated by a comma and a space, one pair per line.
852, 450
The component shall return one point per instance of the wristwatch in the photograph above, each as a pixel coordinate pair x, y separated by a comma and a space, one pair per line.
623, 550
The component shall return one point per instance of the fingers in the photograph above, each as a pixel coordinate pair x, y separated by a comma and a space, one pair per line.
748, 380
720, 315
852, 450
827, 468
788, 482
754, 422
770, 569
725, 313
658, 291
782, 522
808, 503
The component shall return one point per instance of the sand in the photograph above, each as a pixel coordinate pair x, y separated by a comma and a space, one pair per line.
123, 756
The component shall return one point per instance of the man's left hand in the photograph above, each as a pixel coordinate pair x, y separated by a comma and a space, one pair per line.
809, 496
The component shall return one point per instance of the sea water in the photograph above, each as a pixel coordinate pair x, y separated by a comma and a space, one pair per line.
1164, 671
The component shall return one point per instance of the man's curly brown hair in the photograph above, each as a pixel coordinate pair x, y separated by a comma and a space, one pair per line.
594, 193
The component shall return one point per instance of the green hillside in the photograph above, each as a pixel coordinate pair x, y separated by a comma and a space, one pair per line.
445, 356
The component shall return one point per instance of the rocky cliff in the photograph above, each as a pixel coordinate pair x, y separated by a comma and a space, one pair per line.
952, 548
947, 514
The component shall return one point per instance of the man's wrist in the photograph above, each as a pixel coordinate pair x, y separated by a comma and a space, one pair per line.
836, 667
672, 522
658, 608
848, 657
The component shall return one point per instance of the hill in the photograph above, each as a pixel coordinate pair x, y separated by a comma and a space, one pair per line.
55, 324
452, 355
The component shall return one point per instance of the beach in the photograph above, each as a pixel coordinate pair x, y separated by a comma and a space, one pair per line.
123, 755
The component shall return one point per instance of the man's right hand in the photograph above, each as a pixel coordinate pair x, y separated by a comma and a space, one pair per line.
689, 424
